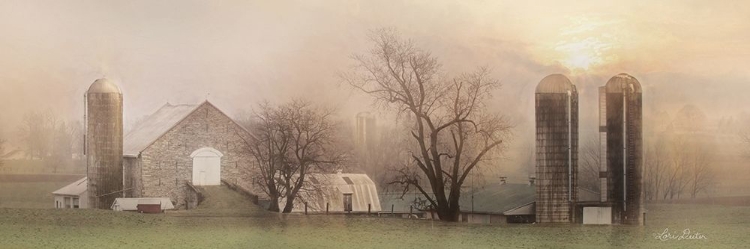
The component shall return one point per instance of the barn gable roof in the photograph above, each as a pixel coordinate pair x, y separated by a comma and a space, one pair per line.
158, 124
75, 188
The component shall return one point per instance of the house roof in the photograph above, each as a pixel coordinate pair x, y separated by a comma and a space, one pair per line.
131, 204
155, 126
525, 209
497, 198
75, 188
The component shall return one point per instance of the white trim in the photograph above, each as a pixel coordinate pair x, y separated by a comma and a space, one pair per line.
196, 152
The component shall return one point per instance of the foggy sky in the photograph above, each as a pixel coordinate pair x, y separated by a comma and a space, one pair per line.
236, 53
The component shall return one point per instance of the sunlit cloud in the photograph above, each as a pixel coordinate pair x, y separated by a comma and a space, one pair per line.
585, 43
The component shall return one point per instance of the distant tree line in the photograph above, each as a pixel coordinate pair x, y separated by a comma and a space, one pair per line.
45, 136
678, 166
678, 160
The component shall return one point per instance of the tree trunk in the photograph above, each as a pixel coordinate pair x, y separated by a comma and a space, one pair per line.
448, 214
289, 205
274, 205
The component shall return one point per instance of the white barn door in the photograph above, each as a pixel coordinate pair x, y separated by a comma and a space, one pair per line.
206, 167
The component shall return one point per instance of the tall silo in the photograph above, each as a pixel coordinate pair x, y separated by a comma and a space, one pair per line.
103, 144
621, 137
365, 131
556, 149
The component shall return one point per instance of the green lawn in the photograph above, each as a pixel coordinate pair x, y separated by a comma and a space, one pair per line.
724, 227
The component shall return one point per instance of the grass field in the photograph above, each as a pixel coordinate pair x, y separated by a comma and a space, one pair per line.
23, 166
31, 191
228, 220
723, 227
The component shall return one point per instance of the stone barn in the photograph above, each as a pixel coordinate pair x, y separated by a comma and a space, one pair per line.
180, 147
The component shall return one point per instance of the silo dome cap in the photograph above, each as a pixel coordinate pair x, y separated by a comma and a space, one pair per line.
621, 82
103, 85
555, 83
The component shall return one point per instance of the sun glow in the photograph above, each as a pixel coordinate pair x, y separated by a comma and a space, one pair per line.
582, 54
586, 43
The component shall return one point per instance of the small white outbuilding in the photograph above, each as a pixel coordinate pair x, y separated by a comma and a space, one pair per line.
73, 195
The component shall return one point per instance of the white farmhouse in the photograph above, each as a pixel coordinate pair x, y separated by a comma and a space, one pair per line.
73, 195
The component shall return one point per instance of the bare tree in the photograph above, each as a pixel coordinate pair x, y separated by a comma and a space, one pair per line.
2, 148
657, 166
292, 141
689, 170
312, 141
452, 130
44, 136
678, 172
701, 175
745, 137
270, 150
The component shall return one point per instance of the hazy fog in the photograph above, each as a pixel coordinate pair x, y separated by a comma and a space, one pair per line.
236, 53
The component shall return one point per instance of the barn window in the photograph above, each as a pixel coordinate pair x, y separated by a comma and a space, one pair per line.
75, 202
67, 202
348, 202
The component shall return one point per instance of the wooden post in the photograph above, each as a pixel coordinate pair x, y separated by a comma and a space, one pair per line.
305, 208
391, 209
327, 208
410, 210
369, 207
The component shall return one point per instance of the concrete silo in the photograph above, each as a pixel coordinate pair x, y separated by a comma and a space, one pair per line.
621, 138
556, 149
103, 148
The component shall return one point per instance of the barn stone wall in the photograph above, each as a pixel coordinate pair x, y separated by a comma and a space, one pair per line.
132, 181
166, 166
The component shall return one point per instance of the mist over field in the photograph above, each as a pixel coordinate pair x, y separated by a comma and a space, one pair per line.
418, 123
236, 54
